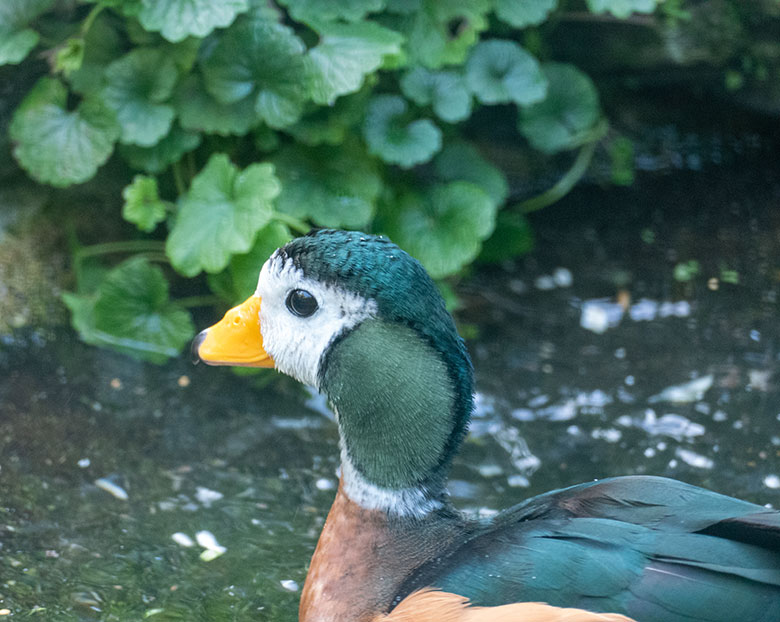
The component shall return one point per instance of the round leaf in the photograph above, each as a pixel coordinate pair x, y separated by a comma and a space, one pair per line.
198, 110
239, 280
622, 8
262, 60
58, 146
445, 90
16, 40
220, 215
136, 84
345, 54
334, 187
462, 161
159, 157
443, 227
178, 19
441, 32
522, 13
143, 206
317, 11
396, 140
499, 72
133, 313
564, 118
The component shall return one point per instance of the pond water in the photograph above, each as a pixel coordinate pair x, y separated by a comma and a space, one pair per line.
640, 337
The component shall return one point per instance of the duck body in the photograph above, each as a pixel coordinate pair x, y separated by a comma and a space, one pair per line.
356, 317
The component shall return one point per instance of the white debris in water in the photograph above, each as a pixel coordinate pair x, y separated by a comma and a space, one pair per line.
595, 399
182, 539
539, 400
643, 310
620, 353
703, 408
719, 415
649, 452
523, 414
675, 309
489, 470
670, 424
289, 585
629, 381
600, 314
772, 481
84, 463
213, 549
611, 435
684, 393
563, 277
324, 483
206, 496
558, 412
112, 488
483, 405
519, 453
518, 481
487, 512
545, 282
694, 459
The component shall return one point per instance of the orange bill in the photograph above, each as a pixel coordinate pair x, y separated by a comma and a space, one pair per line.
234, 340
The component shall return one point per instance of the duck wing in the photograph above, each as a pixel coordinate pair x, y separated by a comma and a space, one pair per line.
655, 549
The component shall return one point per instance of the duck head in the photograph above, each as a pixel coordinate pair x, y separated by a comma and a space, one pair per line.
359, 319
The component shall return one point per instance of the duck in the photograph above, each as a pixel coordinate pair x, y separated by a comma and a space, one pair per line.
359, 319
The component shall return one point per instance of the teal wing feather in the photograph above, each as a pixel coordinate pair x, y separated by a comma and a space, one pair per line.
654, 549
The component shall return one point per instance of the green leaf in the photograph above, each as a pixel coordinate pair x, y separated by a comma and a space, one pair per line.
319, 11
178, 19
58, 146
622, 8
461, 161
239, 280
345, 54
70, 56
132, 313
334, 187
522, 13
513, 237
500, 71
16, 40
331, 124
159, 157
440, 32
394, 138
198, 110
445, 90
143, 206
221, 214
564, 119
443, 227
262, 60
136, 87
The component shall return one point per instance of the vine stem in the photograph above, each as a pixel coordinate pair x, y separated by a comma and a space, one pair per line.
90, 19
125, 246
178, 179
296, 224
569, 179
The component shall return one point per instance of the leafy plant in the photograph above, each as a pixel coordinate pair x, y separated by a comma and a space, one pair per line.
242, 122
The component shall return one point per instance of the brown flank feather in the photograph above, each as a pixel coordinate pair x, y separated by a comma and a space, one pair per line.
429, 605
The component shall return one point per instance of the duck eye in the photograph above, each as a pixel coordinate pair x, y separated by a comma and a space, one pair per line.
301, 303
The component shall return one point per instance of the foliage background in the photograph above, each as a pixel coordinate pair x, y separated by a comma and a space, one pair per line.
235, 125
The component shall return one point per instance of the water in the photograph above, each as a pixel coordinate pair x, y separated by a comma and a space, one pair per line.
198, 449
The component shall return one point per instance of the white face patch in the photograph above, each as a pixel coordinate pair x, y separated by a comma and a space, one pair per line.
295, 343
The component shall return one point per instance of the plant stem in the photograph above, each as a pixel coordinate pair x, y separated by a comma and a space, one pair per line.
296, 224
178, 179
569, 179
90, 19
125, 246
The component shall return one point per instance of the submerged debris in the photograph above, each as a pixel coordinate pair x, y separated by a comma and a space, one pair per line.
111, 488
684, 393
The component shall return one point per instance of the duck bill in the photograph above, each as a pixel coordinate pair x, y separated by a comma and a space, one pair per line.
234, 340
